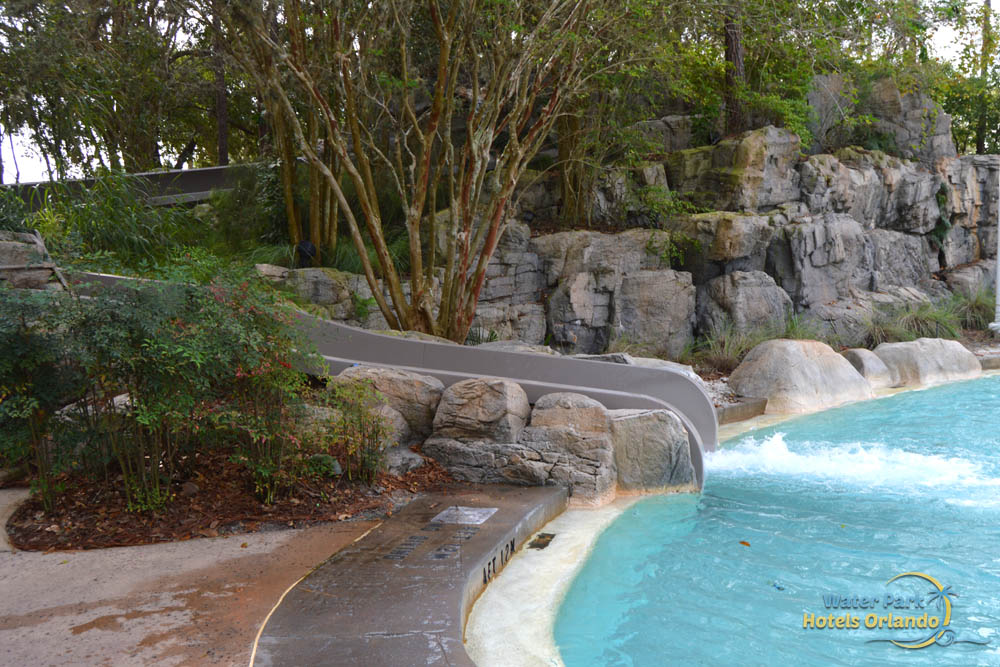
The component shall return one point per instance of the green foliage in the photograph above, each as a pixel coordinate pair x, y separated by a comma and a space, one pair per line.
35, 381
661, 203
357, 427
152, 375
976, 311
723, 349
362, 307
480, 335
943, 226
251, 213
13, 211
923, 320
113, 220
672, 247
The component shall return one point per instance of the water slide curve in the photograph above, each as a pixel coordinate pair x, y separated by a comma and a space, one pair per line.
617, 386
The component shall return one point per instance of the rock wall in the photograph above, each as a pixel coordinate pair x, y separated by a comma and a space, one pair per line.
830, 237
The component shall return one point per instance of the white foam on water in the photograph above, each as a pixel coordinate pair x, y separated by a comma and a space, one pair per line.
871, 464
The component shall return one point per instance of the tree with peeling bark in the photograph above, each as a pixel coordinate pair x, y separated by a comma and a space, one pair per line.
446, 103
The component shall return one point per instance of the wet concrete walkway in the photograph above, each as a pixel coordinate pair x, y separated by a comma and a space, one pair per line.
400, 596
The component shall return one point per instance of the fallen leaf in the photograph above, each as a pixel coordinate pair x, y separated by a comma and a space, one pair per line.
243, 546
744, 543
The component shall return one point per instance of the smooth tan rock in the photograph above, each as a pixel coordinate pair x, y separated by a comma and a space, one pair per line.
797, 376
652, 452
870, 366
413, 395
482, 409
928, 361
581, 413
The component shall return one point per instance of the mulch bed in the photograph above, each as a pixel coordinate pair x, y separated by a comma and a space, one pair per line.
93, 516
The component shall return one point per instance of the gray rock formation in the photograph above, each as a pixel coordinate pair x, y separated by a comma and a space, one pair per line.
818, 259
656, 309
870, 367
744, 300
670, 133
972, 278
568, 443
920, 128
24, 254
413, 395
482, 409
798, 376
928, 361
752, 172
652, 452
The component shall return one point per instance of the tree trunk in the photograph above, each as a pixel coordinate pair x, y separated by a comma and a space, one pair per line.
221, 96
985, 56
736, 76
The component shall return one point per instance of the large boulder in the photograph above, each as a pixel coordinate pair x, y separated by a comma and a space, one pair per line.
520, 322
870, 367
820, 258
324, 287
752, 172
971, 201
24, 254
568, 443
413, 395
928, 361
573, 435
652, 452
904, 260
875, 189
670, 133
579, 314
746, 300
920, 128
656, 309
973, 278
848, 318
797, 376
482, 409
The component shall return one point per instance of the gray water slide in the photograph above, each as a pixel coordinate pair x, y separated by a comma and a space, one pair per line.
617, 386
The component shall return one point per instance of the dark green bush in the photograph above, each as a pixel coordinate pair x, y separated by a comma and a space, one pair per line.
152, 376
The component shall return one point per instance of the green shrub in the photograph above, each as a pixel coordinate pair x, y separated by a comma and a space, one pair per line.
153, 375
356, 428
35, 381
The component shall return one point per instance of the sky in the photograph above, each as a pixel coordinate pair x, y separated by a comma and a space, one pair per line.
32, 167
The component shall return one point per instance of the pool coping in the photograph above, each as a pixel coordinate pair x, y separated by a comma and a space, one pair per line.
402, 593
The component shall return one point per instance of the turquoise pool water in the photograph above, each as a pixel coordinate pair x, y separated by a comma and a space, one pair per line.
832, 505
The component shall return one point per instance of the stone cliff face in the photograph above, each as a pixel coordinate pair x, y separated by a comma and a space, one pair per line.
827, 236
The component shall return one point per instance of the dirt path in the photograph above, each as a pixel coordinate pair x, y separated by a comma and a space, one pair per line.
198, 602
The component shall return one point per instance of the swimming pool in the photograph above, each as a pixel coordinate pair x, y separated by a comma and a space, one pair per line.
809, 520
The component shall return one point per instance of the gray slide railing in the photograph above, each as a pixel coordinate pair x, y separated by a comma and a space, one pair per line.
617, 386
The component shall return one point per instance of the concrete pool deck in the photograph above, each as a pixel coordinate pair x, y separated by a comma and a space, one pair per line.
400, 595
198, 602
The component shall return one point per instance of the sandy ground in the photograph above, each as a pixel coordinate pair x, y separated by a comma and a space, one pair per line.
198, 602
